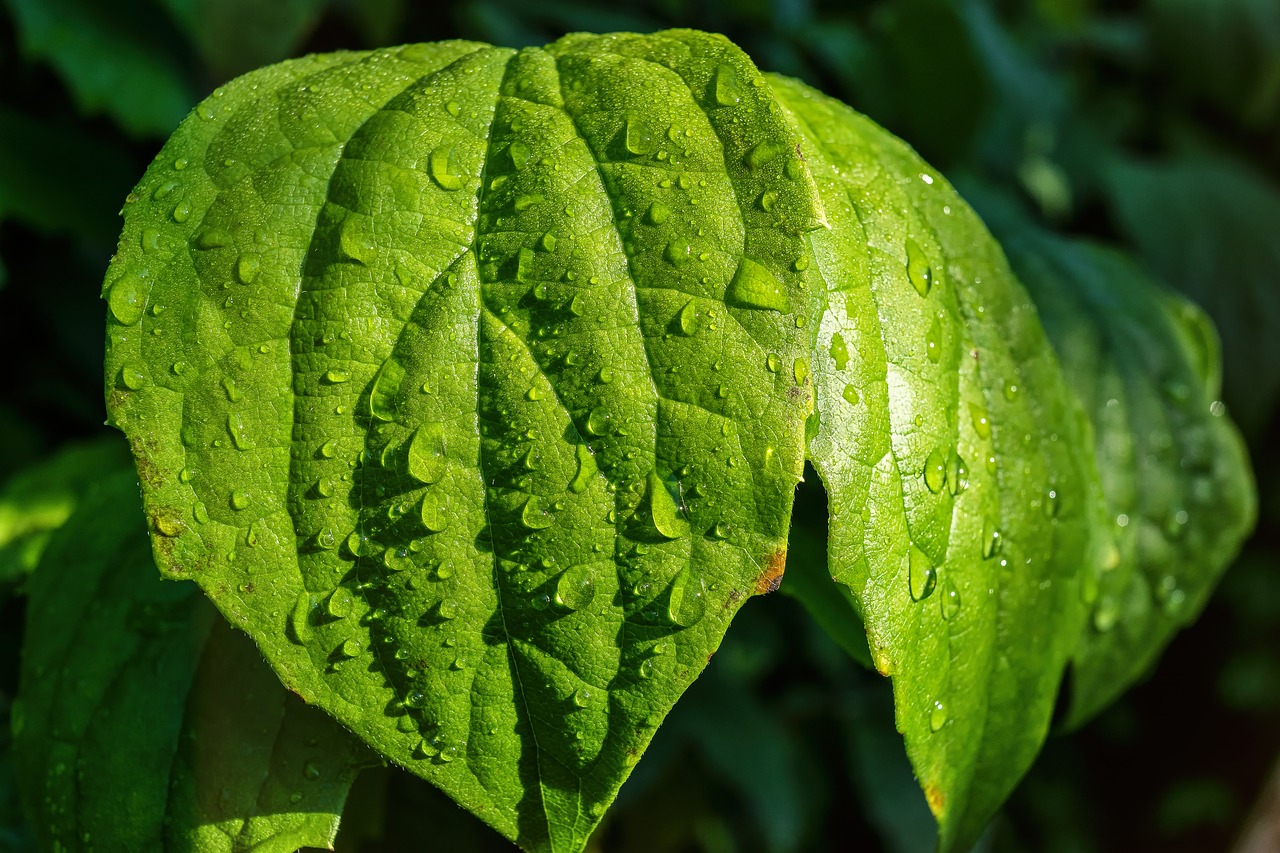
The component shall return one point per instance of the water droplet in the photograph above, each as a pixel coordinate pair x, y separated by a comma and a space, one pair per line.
839, 351
336, 377
658, 213
524, 201
773, 363
933, 341
214, 238
689, 318
240, 500
725, 86
637, 135
312, 771
339, 603
990, 539
329, 449
662, 506
761, 153
300, 619
350, 648
950, 601
957, 474
1010, 391
768, 200
181, 211
800, 371
599, 422
686, 600
454, 108
434, 511
247, 267
754, 286
535, 515
519, 153
918, 268
132, 378
586, 470
923, 575
426, 457
200, 512
605, 376
384, 395
980, 423
935, 472
937, 716
584, 697
449, 609
575, 588
645, 669
850, 395
438, 166
168, 525
127, 298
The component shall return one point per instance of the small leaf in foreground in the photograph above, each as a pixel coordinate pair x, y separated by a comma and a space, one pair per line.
144, 722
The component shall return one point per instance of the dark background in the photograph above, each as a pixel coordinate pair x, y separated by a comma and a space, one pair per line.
1153, 125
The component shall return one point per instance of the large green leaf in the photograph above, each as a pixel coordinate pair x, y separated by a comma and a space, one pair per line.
1179, 491
475, 384
144, 722
954, 459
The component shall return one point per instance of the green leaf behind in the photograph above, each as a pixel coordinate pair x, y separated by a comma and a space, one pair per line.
144, 722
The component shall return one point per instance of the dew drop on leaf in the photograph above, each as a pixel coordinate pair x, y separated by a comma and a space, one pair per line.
937, 716
990, 539
127, 298
726, 89
586, 469
754, 286
575, 588
980, 423
935, 472
686, 600
923, 575
438, 167
919, 271
535, 515
426, 459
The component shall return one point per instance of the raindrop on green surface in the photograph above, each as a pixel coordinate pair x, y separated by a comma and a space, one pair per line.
726, 89
935, 471
132, 378
449, 609
575, 588
933, 341
434, 511
839, 351
586, 470
686, 600
426, 457
336, 376
535, 515
658, 213
1106, 613
339, 603
773, 363
599, 422
990, 539
240, 500
127, 298
981, 425
519, 153
438, 166
937, 716
689, 318
754, 286
923, 575
950, 601
300, 619
383, 396
662, 506
850, 395
638, 136
247, 267
919, 271
761, 153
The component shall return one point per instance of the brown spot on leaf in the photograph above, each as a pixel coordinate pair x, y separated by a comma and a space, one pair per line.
771, 578
936, 799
